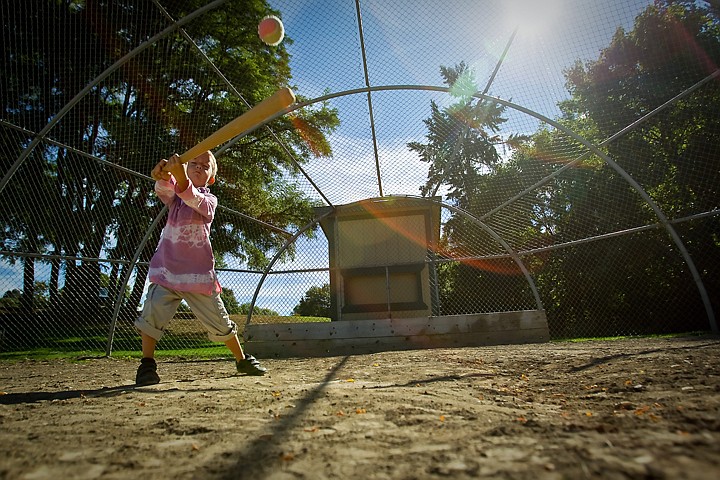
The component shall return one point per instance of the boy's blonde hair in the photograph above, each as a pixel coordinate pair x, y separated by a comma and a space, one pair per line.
213, 164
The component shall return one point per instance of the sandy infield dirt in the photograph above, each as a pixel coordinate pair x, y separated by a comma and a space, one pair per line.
623, 409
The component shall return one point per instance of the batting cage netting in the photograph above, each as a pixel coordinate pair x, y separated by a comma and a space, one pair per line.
566, 156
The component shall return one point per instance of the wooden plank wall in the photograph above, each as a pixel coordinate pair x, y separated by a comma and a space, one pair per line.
354, 337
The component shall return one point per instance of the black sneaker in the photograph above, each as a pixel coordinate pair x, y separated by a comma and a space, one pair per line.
147, 373
250, 366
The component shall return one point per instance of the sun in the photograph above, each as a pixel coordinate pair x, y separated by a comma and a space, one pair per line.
534, 17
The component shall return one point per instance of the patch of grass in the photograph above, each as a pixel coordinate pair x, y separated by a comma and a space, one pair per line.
47, 354
186, 338
267, 319
626, 337
213, 352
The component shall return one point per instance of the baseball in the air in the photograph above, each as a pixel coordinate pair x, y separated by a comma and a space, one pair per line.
271, 30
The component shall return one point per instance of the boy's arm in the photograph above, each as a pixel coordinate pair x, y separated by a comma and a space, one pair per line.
204, 203
164, 182
159, 173
178, 169
165, 190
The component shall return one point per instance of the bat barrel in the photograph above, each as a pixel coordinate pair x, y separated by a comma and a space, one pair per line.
248, 121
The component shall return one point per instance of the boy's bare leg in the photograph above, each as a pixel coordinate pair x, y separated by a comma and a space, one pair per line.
147, 371
148, 345
234, 346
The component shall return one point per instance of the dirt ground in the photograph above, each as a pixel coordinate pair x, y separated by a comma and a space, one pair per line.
624, 409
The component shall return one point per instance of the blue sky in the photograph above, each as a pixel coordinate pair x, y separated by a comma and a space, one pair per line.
406, 42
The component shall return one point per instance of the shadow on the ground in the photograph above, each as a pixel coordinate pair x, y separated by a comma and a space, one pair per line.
254, 454
608, 358
35, 397
444, 378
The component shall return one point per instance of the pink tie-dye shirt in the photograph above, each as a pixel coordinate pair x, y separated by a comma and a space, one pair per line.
184, 258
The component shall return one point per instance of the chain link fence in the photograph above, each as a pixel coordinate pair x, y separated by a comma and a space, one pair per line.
574, 154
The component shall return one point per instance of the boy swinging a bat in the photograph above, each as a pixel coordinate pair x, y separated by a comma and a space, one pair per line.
183, 266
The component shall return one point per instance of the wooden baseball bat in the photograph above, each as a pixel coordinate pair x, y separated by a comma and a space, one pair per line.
249, 120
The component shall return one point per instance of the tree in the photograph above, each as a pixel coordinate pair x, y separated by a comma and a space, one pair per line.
315, 302
462, 150
245, 309
231, 304
461, 139
169, 97
11, 298
673, 45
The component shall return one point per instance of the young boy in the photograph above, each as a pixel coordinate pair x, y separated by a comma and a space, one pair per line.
183, 266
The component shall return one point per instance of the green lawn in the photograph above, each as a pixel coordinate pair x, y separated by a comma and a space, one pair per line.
185, 338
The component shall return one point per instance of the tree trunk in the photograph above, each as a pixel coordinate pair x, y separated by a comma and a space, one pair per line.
28, 296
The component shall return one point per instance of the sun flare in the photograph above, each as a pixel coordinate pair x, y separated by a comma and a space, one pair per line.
533, 17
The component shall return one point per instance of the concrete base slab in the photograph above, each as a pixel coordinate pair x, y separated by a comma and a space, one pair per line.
354, 337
